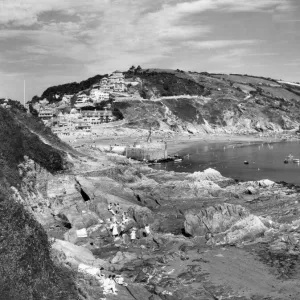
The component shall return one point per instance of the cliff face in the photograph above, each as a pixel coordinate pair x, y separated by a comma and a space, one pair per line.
215, 103
27, 271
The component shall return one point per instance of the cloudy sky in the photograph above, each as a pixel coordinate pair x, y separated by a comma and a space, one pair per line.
50, 42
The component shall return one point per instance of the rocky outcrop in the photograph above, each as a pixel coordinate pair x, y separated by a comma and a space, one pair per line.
214, 219
74, 255
244, 230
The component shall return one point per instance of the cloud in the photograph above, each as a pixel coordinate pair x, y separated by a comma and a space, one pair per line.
216, 44
20, 12
199, 6
68, 37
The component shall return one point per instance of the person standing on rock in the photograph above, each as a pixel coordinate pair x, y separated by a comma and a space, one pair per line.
133, 234
114, 228
112, 285
118, 209
147, 229
124, 217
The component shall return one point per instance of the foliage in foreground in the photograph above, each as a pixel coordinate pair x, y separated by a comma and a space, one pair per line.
26, 269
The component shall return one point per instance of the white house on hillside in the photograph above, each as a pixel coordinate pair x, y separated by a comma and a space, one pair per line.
98, 95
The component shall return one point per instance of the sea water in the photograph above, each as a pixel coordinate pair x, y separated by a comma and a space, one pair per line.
266, 161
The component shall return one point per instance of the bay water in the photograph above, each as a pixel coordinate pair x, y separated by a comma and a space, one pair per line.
266, 161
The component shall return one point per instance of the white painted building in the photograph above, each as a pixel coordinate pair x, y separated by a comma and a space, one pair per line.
98, 95
114, 83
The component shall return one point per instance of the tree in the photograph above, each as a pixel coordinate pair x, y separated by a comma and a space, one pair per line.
132, 69
138, 69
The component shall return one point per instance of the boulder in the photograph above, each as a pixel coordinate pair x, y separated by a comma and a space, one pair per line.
265, 183
246, 229
250, 190
141, 215
208, 174
213, 219
75, 255
80, 218
73, 237
123, 257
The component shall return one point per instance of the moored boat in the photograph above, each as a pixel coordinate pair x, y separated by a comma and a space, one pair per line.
177, 159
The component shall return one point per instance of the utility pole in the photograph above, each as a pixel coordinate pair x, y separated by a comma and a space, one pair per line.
24, 92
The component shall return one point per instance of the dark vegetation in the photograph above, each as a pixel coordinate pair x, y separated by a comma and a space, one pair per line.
164, 84
185, 109
17, 141
68, 88
26, 269
144, 115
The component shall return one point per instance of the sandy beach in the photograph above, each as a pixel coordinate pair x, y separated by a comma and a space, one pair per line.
175, 142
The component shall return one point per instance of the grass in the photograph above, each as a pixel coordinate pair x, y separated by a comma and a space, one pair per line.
26, 269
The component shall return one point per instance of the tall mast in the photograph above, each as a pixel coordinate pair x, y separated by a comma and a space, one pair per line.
24, 92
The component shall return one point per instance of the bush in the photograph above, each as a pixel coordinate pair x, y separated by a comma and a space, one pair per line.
26, 269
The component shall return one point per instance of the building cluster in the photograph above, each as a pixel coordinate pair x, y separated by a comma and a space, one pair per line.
101, 91
76, 119
80, 117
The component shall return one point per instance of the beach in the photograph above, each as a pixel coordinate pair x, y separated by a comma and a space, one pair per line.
175, 142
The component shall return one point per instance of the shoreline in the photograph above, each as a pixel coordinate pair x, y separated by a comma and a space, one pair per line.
177, 143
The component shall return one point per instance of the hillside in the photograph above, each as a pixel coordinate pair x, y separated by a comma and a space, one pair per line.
26, 268
230, 103
55, 93
201, 102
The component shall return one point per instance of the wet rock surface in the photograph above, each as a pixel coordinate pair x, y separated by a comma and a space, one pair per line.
210, 237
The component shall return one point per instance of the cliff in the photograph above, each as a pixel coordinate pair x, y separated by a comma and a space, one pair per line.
215, 103
27, 270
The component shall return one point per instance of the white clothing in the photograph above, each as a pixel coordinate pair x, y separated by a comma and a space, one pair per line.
133, 235
120, 280
115, 229
147, 229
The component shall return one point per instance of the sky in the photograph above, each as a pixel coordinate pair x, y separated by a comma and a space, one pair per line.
51, 42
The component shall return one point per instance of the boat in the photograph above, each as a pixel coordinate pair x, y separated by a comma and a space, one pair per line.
288, 159
296, 160
246, 162
177, 159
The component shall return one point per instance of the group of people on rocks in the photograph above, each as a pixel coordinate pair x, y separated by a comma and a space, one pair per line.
119, 221
108, 282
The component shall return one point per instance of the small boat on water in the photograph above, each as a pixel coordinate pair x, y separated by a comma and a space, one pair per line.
288, 159
177, 159
296, 160
246, 162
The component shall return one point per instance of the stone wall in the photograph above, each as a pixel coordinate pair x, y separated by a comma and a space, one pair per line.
147, 151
